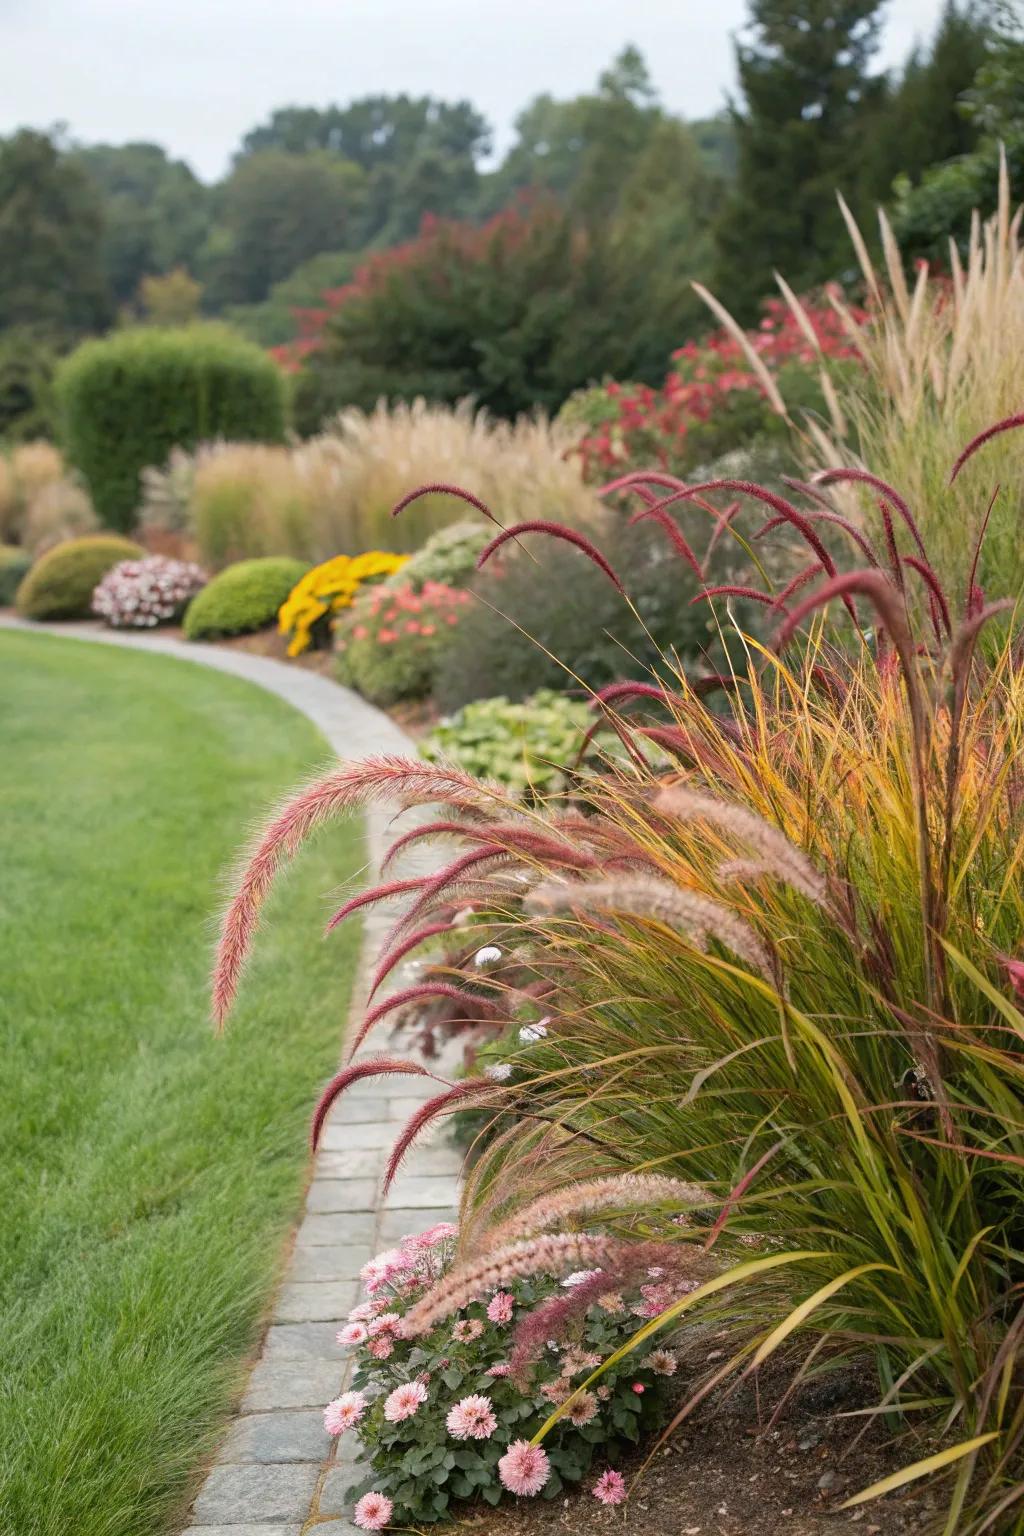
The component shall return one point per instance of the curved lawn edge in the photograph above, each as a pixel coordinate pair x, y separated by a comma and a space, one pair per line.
277, 1471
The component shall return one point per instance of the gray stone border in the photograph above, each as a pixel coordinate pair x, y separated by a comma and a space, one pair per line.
277, 1472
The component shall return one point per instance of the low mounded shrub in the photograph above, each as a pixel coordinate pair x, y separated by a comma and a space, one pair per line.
448, 1415
527, 747
14, 566
125, 401
243, 598
140, 594
328, 589
61, 584
389, 646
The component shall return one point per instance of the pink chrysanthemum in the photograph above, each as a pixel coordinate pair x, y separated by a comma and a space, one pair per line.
466, 1331
472, 1418
386, 1323
500, 1307
344, 1413
610, 1488
373, 1512
524, 1468
575, 1360
438, 1233
362, 1313
662, 1362
501, 1369
404, 1401
352, 1333
382, 1348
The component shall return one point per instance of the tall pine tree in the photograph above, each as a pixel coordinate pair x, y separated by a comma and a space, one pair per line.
808, 101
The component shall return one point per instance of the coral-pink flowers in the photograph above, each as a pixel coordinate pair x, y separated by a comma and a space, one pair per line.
472, 1418
344, 1413
524, 1468
373, 1512
404, 1401
610, 1488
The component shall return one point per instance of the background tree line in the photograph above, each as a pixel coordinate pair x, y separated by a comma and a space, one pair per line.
91, 236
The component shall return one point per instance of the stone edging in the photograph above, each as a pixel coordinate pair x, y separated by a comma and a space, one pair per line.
277, 1472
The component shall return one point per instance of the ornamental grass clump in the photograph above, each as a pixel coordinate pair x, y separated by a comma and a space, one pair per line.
444, 1412
786, 974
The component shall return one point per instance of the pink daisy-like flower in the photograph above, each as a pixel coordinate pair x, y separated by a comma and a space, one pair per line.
501, 1369
472, 1418
344, 1413
524, 1468
362, 1313
610, 1488
352, 1333
373, 1512
499, 1308
387, 1323
556, 1391
576, 1360
583, 1409
404, 1401
433, 1235
466, 1331
382, 1348
662, 1362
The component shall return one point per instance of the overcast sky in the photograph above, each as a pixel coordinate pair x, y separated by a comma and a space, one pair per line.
194, 75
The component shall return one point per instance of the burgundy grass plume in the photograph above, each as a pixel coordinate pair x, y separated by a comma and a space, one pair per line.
412, 995
1006, 425
443, 488
377, 893
392, 957
409, 782
675, 533
373, 1066
864, 477
554, 531
441, 1104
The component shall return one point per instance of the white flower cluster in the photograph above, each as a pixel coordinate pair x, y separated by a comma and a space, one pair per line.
139, 594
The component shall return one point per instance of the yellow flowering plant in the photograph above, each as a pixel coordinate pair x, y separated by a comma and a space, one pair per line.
326, 590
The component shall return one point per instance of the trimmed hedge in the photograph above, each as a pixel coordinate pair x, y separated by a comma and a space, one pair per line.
61, 584
244, 597
14, 567
126, 401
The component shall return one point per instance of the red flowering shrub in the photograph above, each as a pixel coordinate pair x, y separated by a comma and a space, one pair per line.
711, 402
390, 643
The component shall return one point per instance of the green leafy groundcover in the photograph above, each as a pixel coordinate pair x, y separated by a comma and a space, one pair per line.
528, 746
150, 1170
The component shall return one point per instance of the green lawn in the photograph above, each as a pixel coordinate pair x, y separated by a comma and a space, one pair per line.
150, 1171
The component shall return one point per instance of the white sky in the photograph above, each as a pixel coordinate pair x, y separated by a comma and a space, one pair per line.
194, 75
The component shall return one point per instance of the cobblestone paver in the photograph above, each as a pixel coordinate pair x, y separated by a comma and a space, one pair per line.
277, 1473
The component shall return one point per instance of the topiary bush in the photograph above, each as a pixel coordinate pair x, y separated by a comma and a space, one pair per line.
126, 401
14, 566
61, 584
243, 598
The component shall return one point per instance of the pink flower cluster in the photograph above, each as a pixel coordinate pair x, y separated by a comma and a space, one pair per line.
392, 615
140, 594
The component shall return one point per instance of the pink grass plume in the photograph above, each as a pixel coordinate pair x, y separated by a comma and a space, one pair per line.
554, 531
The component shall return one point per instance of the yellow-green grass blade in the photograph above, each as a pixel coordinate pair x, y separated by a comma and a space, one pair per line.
801, 1313
918, 1469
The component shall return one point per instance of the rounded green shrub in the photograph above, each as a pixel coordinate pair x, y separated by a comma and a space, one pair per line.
125, 402
61, 584
14, 566
243, 598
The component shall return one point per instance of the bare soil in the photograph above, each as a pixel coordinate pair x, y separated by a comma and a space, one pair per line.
724, 1473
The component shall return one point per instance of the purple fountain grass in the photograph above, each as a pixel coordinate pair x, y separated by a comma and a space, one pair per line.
393, 956
455, 1097
359, 784
424, 989
696, 917
1006, 425
621, 1191
373, 1066
554, 531
547, 1254
369, 898
444, 488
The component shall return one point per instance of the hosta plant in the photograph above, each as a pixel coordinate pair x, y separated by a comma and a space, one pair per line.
140, 594
305, 616
529, 747
440, 1412
787, 973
